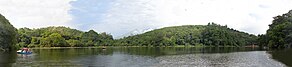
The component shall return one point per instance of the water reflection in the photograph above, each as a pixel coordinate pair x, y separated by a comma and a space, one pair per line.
116, 60
237, 59
7, 59
151, 51
283, 56
140, 57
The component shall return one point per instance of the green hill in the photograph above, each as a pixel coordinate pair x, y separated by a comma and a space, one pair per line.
7, 34
190, 35
61, 37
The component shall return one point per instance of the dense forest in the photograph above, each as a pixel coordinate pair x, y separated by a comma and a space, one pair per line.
61, 37
7, 34
188, 35
191, 35
279, 34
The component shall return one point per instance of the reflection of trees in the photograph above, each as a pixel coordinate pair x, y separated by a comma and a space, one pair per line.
7, 59
95, 56
159, 51
64, 56
283, 56
69, 53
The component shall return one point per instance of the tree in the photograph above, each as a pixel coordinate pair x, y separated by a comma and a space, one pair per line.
24, 38
279, 33
105, 39
218, 35
73, 37
191, 35
75, 43
54, 40
8, 34
90, 38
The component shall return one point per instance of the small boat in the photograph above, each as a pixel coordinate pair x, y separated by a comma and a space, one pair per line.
23, 52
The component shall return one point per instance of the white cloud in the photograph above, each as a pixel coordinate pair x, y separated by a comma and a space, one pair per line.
36, 13
123, 16
252, 16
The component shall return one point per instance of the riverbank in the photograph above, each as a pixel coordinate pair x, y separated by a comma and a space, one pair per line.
178, 46
61, 47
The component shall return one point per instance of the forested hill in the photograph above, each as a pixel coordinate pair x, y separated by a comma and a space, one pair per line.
7, 34
279, 34
61, 37
190, 35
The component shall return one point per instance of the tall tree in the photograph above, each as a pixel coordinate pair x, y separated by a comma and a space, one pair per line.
54, 40
279, 33
7, 34
90, 38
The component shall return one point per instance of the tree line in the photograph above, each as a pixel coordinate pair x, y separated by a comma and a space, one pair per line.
279, 34
191, 35
61, 37
188, 35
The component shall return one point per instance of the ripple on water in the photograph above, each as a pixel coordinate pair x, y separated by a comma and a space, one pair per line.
116, 60
236, 59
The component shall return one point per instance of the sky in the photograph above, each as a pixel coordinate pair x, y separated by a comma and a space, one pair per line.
119, 17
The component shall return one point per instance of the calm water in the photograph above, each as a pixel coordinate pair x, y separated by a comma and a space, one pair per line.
148, 57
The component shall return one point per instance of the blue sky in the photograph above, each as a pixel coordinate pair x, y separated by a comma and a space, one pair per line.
119, 17
88, 12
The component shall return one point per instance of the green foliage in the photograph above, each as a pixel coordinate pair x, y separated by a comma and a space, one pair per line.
169, 36
8, 34
279, 34
190, 35
91, 38
262, 40
75, 43
105, 39
61, 37
54, 40
218, 35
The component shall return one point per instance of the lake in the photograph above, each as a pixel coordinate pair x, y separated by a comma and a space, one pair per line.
148, 57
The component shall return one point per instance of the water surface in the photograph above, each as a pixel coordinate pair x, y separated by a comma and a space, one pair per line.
148, 57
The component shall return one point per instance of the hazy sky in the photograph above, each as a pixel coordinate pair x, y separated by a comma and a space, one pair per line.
119, 17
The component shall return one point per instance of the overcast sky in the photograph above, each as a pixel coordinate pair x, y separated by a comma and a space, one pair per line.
119, 17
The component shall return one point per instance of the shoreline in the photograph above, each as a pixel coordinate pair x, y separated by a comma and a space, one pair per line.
147, 46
